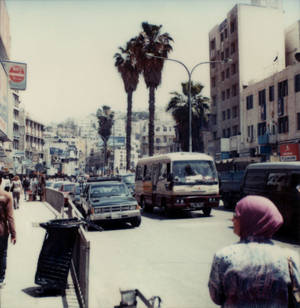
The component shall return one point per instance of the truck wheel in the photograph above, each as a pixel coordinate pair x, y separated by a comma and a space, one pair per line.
136, 221
144, 206
206, 211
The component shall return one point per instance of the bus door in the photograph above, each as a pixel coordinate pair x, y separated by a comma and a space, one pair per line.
147, 183
156, 170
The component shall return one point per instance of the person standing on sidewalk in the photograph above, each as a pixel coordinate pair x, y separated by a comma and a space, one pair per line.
26, 187
7, 227
16, 188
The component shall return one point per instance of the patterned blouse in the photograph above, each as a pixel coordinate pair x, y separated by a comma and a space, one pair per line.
252, 273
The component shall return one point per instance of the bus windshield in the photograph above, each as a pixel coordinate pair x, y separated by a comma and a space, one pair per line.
195, 171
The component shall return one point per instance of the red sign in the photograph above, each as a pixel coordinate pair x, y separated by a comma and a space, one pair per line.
16, 73
289, 152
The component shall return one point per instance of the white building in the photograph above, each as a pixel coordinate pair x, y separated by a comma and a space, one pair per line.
253, 37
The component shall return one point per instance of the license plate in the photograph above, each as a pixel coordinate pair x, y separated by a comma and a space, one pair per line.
197, 205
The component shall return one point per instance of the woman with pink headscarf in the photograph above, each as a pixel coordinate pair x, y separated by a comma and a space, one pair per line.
253, 272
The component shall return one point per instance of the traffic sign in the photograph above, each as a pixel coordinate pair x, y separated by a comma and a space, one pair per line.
16, 72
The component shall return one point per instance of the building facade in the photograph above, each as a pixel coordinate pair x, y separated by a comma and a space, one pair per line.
246, 36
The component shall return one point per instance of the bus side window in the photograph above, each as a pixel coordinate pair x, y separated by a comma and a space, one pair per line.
163, 171
147, 173
168, 168
138, 174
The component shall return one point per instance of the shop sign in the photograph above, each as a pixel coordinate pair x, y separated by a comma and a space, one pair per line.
289, 152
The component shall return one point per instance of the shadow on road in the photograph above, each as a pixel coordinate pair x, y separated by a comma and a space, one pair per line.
159, 214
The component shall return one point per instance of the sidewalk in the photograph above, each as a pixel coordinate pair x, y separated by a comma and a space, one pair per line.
22, 260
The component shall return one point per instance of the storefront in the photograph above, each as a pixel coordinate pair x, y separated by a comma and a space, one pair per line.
289, 152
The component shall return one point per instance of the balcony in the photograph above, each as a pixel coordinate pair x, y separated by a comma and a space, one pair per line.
267, 139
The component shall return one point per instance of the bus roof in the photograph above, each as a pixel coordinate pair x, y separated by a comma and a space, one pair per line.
176, 156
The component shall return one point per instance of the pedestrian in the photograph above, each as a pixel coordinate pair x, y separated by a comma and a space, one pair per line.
253, 272
42, 188
7, 227
6, 183
16, 187
26, 187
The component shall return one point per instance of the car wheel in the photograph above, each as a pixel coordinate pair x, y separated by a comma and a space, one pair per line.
136, 221
206, 211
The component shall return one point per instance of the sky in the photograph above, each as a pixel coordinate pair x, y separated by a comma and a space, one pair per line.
69, 47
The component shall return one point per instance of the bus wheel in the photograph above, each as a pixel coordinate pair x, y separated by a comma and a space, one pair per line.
206, 211
144, 206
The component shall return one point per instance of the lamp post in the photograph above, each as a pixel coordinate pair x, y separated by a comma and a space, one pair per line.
190, 72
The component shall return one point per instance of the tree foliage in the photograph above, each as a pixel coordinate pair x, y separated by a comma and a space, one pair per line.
179, 108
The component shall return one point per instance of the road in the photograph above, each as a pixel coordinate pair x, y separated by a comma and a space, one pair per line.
168, 257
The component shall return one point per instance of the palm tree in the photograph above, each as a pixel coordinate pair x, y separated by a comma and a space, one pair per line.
105, 118
151, 41
179, 107
127, 66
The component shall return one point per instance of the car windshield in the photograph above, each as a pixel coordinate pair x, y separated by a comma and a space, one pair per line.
108, 190
68, 187
57, 185
129, 179
200, 170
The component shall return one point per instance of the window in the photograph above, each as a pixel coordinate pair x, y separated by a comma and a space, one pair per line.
213, 64
228, 93
234, 130
232, 26
227, 53
222, 37
282, 88
222, 55
158, 129
283, 125
271, 93
227, 73
214, 100
165, 129
298, 121
224, 133
213, 44
214, 119
228, 132
224, 115
261, 97
228, 114
234, 90
233, 68
234, 111
232, 48
157, 140
250, 131
165, 138
222, 76
215, 135
261, 128
226, 33
297, 83
213, 82
223, 95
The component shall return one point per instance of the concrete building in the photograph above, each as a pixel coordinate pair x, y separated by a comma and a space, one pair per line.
34, 142
247, 37
270, 113
292, 43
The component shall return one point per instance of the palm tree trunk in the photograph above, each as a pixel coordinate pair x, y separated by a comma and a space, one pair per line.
105, 156
151, 120
128, 129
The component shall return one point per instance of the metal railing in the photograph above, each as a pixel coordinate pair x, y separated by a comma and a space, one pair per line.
81, 254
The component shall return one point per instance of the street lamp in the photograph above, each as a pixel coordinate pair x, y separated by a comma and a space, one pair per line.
190, 72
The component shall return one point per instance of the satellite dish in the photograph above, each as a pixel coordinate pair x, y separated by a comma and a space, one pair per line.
297, 56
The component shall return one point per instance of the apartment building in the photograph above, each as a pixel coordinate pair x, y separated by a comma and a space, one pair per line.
246, 36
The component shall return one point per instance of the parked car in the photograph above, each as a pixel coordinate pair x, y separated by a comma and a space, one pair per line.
278, 181
66, 188
57, 185
75, 194
108, 199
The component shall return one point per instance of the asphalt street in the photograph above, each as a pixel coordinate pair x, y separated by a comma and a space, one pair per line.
166, 257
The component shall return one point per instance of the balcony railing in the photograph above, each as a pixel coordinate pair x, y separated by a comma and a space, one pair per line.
267, 139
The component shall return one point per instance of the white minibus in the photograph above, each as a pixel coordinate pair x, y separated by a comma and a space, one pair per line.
177, 181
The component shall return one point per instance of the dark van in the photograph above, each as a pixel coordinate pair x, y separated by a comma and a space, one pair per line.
280, 182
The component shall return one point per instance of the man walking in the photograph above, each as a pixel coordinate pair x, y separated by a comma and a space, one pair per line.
7, 227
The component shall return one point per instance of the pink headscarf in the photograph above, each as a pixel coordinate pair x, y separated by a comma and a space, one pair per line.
258, 217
